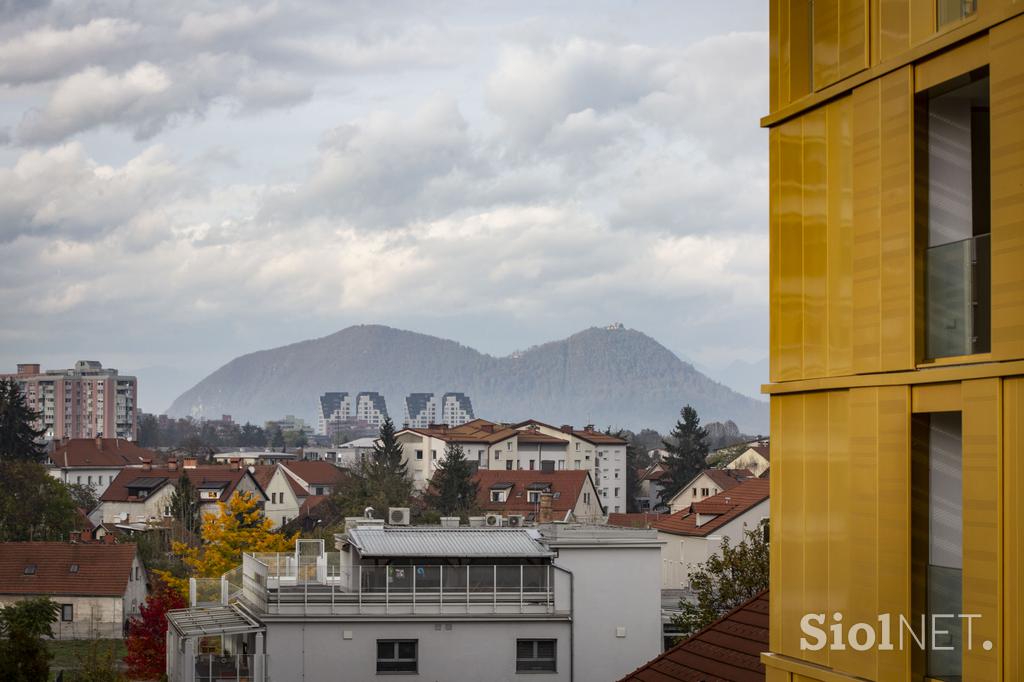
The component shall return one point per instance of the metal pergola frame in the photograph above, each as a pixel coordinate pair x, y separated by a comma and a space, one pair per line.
212, 621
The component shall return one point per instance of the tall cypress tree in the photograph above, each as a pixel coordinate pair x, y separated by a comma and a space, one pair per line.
453, 490
19, 438
688, 452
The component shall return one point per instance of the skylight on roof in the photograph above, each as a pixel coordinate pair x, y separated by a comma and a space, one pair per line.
73, 568
30, 569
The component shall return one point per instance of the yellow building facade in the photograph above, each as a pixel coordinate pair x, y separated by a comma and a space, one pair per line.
897, 338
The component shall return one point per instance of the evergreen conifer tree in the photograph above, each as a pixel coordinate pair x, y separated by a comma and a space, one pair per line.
688, 452
19, 438
453, 490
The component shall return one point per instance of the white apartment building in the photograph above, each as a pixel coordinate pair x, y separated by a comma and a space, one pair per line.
86, 401
423, 410
340, 407
94, 462
439, 603
527, 445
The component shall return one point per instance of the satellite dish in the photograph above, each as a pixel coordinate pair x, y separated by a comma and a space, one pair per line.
368, 512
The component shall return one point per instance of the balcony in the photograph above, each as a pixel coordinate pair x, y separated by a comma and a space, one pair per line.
286, 584
958, 295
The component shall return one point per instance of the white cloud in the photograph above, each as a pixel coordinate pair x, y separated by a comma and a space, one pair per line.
208, 27
48, 52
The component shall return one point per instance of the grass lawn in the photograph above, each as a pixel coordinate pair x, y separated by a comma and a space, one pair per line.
68, 653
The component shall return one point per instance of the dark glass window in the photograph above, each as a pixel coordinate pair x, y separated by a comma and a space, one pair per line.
397, 655
535, 655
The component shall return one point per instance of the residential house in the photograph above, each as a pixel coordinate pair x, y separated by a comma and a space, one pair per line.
316, 478
540, 496
649, 486
693, 534
143, 495
489, 445
728, 649
707, 483
455, 604
754, 459
98, 586
95, 462
346, 455
285, 495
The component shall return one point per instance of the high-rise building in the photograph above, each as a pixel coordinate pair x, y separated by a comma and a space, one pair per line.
86, 401
424, 409
339, 408
897, 340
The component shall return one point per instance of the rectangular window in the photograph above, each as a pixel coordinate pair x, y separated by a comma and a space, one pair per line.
396, 655
419, 454
937, 492
535, 655
954, 156
948, 11
616, 492
508, 465
531, 463
67, 612
533, 496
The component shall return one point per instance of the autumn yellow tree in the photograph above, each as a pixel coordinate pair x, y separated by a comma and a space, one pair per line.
239, 527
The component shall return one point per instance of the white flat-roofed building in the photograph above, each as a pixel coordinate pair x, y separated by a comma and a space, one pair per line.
441, 603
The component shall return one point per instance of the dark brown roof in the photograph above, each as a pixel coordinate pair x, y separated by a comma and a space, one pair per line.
565, 484
117, 491
728, 478
763, 450
100, 452
727, 505
315, 472
655, 472
476, 431
728, 650
538, 437
263, 473
634, 520
102, 569
597, 438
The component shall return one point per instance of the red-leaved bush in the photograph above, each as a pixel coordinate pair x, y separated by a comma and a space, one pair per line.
147, 634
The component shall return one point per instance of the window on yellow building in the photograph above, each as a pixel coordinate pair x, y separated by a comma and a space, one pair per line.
954, 163
948, 11
938, 490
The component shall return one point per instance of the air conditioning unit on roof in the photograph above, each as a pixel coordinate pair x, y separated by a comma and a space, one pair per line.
516, 520
398, 516
492, 520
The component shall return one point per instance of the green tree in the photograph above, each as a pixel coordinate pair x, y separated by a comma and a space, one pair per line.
99, 663
275, 437
149, 431
452, 489
23, 654
688, 452
381, 481
296, 439
252, 436
19, 437
33, 504
82, 495
725, 581
185, 505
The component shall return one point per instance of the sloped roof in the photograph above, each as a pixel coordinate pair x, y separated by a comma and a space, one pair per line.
264, 473
100, 452
763, 450
566, 486
634, 519
728, 478
475, 431
117, 491
102, 570
536, 437
446, 542
727, 650
315, 472
727, 505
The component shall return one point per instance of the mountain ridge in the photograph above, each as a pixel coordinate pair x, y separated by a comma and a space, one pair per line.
605, 376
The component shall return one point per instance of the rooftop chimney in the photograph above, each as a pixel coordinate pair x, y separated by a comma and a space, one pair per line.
545, 515
75, 536
99, 443
567, 428
147, 464
190, 463
172, 464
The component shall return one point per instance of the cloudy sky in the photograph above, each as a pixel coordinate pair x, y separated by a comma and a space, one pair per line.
184, 183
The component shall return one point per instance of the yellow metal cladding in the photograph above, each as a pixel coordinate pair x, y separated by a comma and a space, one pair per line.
846, 335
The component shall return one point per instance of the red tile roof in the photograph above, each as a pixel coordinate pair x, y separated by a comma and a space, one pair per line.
476, 431
591, 436
727, 505
634, 520
263, 473
117, 491
315, 472
565, 484
100, 452
102, 569
728, 478
542, 438
728, 650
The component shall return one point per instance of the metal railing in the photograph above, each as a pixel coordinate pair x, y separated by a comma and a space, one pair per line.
958, 297
223, 668
278, 584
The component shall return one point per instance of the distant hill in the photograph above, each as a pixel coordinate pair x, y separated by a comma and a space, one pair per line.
601, 376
